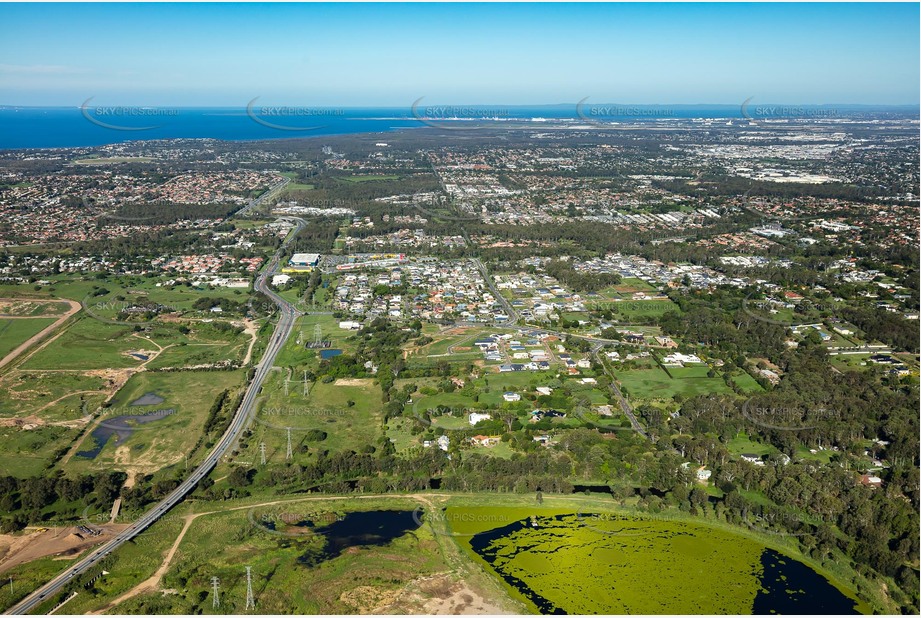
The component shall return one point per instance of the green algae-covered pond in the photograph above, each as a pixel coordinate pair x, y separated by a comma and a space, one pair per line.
569, 563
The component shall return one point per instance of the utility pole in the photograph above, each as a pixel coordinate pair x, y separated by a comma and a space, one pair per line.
215, 600
250, 601
289, 454
262, 451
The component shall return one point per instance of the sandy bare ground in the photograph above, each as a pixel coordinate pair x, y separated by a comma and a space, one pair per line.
115, 379
441, 594
74, 307
8, 305
67, 543
353, 382
251, 329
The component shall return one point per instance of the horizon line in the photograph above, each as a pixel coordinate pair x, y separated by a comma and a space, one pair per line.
410, 105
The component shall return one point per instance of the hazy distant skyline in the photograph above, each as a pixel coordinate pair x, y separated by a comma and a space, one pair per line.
390, 55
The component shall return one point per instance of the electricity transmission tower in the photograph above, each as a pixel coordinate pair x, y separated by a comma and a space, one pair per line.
262, 451
250, 601
215, 600
318, 336
289, 454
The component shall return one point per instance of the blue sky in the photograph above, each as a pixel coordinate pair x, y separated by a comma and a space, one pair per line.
390, 55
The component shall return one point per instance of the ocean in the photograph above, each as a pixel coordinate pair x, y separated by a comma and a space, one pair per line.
91, 125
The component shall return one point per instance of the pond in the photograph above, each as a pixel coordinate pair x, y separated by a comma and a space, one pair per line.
126, 424
791, 587
148, 399
570, 563
122, 427
358, 529
329, 353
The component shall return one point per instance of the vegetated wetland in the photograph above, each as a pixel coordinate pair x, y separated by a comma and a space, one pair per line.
419, 554
563, 562
148, 436
370, 554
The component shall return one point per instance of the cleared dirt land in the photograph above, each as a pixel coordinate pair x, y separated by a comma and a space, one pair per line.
66, 543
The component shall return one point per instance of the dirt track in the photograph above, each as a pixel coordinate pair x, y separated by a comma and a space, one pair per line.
153, 582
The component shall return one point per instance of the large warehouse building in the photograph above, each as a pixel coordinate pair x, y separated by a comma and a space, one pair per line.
302, 261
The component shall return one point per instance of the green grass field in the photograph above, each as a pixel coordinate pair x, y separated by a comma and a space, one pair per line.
637, 310
90, 344
297, 186
28, 452
14, 332
50, 395
743, 444
326, 408
748, 384
851, 361
627, 286
464, 339
656, 384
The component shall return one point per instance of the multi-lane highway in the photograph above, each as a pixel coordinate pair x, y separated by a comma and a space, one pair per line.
286, 320
257, 202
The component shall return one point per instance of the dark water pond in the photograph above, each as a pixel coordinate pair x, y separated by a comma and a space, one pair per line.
329, 353
359, 529
123, 426
148, 399
482, 544
791, 587
787, 585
